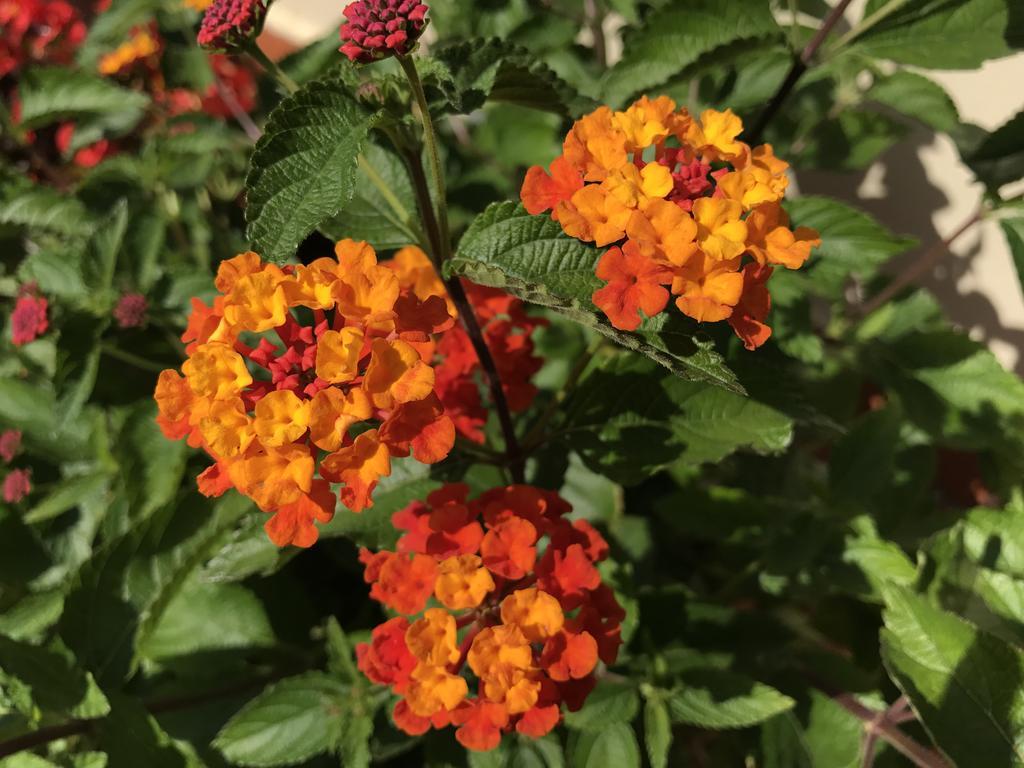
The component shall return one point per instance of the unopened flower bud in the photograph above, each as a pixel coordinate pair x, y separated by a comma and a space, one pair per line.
376, 29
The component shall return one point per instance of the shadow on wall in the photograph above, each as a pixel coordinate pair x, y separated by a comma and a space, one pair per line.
902, 197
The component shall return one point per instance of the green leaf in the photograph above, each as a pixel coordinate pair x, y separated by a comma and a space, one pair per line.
861, 462
303, 170
852, 243
30, 409
918, 97
132, 737
717, 698
994, 538
59, 686
676, 35
825, 735
999, 159
67, 494
938, 34
657, 731
49, 95
205, 617
369, 215
615, 745
42, 208
478, 70
628, 419
610, 702
1013, 229
409, 480
530, 256
851, 141
966, 686
290, 722
354, 743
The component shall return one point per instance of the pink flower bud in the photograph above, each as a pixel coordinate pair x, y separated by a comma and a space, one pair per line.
227, 24
130, 311
376, 29
28, 320
17, 485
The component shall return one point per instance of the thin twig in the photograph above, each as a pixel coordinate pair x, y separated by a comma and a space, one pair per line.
796, 71
595, 20
241, 116
906, 746
436, 224
919, 266
271, 66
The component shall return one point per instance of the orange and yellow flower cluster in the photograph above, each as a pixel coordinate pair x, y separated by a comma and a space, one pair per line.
507, 330
509, 598
338, 390
689, 209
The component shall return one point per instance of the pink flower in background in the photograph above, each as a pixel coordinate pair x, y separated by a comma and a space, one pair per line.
130, 311
28, 320
17, 485
377, 29
10, 444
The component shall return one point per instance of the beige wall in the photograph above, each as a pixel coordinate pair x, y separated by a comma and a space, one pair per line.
919, 188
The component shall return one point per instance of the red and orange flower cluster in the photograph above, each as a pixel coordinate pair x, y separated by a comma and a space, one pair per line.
341, 389
38, 31
507, 329
516, 606
691, 210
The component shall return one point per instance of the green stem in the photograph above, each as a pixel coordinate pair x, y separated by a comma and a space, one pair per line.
435, 219
430, 143
867, 23
128, 357
263, 60
405, 219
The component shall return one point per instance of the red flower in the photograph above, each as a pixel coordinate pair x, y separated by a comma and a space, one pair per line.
130, 311
386, 658
17, 485
228, 24
10, 444
28, 320
376, 29
236, 82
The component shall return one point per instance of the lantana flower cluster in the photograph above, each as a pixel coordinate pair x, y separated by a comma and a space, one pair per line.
688, 208
17, 483
337, 391
507, 330
376, 29
508, 599
40, 31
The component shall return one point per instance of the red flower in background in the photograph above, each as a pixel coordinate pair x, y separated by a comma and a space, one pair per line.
10, 444
42, 31
17, 485
28, 320
130, 311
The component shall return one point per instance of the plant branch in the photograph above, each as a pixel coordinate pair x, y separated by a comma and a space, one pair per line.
440, 238
919, 266
241, 116
796, 71
877, 723
867, 23
264, 61
594, 19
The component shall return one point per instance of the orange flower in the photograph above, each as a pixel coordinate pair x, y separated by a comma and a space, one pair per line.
747, 319
358, 467
542, 192
508, 548
537, 614
338, 362
682, 201
527, 657
462, 582
634, 285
